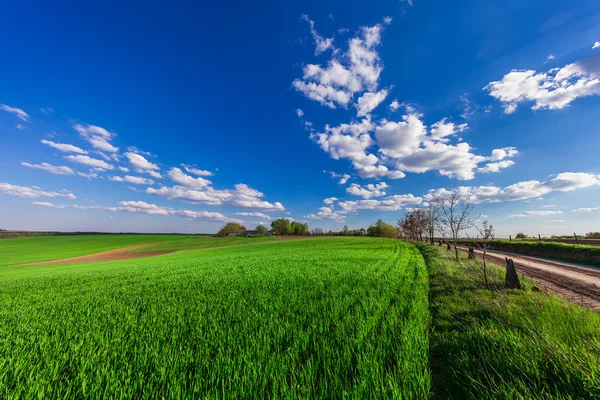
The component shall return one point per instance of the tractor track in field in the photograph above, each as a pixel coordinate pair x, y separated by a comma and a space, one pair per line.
577, 284
124, 253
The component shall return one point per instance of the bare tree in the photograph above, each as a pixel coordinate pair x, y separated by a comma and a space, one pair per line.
485, 233
456, 213
432, 216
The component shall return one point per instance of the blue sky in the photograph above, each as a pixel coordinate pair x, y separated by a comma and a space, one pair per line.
179, 117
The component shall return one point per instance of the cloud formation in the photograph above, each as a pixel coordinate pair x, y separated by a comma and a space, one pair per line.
33, 192
22, 115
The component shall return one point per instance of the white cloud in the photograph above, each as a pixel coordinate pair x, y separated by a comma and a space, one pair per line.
369, 101
47, 204
394, 105
20, 127
388, 20
403, 138
58, 170
588, 209
139, 162
123, 169
548, 206
596, 45
551, 57
535, 214
178, 176
368, 191
299, 113
32, 192
343, 177
92, 162
196, 171
554, 89
142, 207
242, 196
97, 136
355, 71
322, 44
153, 174
441, 130
22, 115
132, 179
495, 166
328, 213
65, 148
330, 200
253, 214
563, 182
391, 203
47, 110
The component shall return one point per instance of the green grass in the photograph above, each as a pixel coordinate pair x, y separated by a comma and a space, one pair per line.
207, 242
44, 248
507, 344
322, 318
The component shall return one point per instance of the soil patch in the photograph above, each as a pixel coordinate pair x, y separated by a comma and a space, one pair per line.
111, 255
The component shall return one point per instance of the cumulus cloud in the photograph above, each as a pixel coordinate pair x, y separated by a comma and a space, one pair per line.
343, 177
553, 90
495, 166
139, 162
253, 214
65, 148
596, 45
535, 214
196, 171
47, 204
32, 192
369, 101
97, 136
91, 162
390, 203
368, 191
587, 209
58, 170
442, 129
322, 44
22, 115
394, 105
407, 146
328, 213
132, 179
242, 196
181, 178
355, 71
563, 182
330, 200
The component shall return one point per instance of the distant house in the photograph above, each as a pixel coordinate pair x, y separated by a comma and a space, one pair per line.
250, 233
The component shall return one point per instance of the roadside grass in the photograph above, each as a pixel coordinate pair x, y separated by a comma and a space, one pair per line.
21, 250
323, 318
501, 344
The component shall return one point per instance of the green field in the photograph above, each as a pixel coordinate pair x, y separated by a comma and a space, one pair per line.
309, 318
332, 317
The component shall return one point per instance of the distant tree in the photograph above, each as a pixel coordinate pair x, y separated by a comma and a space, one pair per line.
521, 235
229, 228
281, 226
592, 235
345, 230
261, 230
372, 231
299, 228
317, 232
388, 231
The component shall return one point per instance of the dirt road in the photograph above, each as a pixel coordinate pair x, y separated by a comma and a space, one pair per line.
577, 283
123, 253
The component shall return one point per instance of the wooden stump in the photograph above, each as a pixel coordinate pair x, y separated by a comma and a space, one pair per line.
471, 253
512, 279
